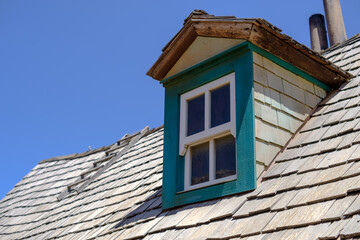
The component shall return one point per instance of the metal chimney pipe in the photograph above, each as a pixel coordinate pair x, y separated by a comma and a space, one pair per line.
334, 21
318, 35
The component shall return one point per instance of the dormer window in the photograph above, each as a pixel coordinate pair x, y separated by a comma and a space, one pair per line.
207, 133
209, 141
235, 93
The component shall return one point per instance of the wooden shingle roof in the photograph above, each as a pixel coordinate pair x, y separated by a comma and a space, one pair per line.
310, 191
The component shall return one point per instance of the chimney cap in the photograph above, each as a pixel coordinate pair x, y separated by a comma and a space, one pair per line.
318, 35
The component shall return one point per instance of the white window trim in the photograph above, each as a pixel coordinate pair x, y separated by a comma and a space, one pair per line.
209, 134
212, 176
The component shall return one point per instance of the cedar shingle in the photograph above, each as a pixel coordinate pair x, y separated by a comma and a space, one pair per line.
354, 207
338, 209
352, 229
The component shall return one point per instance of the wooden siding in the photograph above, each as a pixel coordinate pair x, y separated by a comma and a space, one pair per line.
282, 101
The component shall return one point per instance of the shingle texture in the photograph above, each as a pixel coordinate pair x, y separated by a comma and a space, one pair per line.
310, 191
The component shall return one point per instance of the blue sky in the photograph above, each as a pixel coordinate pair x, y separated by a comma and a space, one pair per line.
72, 73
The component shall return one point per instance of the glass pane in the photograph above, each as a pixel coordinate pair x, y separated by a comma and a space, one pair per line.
225, 156
220, 105
196, 115
200, 163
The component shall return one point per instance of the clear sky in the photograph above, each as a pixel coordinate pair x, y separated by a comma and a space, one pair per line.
72, 72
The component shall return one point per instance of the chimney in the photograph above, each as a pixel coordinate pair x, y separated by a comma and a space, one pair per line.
318, 32
334, 21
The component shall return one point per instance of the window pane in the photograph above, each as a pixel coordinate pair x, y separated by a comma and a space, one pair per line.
196, 115
225, 156
200, 163
220, 105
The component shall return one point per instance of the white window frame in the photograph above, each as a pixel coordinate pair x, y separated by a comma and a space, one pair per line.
208, 134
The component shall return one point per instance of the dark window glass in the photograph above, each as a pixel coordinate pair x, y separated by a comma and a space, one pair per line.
220, 105
225, 156
200, 163
196, 115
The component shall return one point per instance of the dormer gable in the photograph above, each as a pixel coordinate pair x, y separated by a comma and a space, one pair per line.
255, 30
201, 49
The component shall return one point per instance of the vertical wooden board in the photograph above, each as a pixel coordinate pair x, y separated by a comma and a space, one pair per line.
245, 118
170, 163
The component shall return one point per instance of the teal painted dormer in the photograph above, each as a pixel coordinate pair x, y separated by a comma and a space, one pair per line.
193, 172
231, 104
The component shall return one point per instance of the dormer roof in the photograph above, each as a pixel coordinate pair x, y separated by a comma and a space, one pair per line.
255, 30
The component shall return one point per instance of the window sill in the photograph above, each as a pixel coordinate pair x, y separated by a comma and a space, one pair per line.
204, 185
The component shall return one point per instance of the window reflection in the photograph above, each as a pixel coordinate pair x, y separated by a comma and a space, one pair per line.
225, 156
220, 105
196, 115
200, 163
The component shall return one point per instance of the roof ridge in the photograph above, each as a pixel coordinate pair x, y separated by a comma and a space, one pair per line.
339, 45
98, 170
89, 152
196, 14
75, 155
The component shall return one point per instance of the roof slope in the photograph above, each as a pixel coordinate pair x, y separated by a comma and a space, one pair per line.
312, 189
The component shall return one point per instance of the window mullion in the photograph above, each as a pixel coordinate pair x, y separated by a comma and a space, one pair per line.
232, 108
187, 170
212, 160
207, 110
